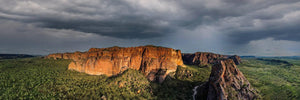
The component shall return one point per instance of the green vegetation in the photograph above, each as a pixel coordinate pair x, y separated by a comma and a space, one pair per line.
35, 78
193, 73
181, 83
50, 79
275, 78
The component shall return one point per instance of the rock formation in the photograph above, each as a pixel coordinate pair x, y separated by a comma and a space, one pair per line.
201, 58
237, 59
226, 82
204, 58
154, 62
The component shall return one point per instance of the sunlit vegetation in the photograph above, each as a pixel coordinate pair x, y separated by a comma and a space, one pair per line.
276, 79
50, 79
36, 78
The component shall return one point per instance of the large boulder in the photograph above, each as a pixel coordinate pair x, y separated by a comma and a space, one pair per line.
154, 62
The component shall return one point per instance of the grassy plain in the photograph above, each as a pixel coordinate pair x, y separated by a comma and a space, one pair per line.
275, 78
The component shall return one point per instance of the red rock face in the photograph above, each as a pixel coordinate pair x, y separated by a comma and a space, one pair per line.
227, 82
112, 61
204, 58
55, 56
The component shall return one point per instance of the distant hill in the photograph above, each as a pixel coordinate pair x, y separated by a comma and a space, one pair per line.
247, 56
285, 57
277, 57
14, 56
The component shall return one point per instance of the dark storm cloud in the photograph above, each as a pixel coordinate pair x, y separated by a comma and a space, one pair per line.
134, 29
108, 18
243, 22
240, 20
291, 33
280, 22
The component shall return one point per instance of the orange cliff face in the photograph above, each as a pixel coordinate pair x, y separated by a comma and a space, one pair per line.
154, 62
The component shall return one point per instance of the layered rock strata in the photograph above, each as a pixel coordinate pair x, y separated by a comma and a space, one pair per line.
154, 62
226, 82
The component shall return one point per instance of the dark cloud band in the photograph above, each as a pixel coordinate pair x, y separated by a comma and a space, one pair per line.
129, 19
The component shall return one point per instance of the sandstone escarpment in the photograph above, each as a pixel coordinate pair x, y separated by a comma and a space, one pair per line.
226, 82
204, 58
200, 58
154, 62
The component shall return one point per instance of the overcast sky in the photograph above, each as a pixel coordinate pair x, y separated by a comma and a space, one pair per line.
242, 27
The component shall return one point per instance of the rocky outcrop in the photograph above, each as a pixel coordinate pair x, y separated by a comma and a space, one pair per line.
200, 58
237, 59
154, 62
204, 58
226, 82
74, 56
